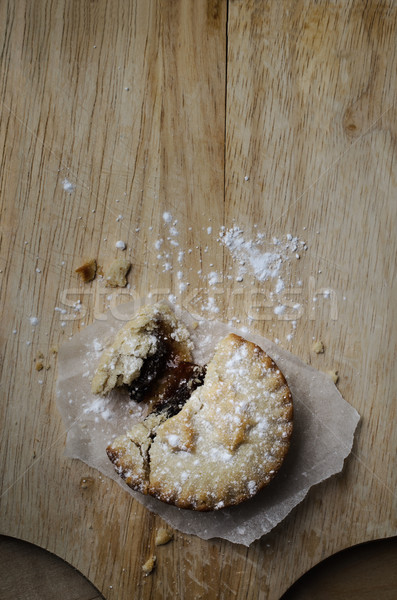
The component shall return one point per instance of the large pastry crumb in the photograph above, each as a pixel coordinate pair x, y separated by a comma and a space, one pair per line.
149, 565
318, 347
334, 376
88, 270
116, 273
39, 364
163, 536
136, 355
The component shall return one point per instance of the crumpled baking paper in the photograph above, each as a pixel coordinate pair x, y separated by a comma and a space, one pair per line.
324, 426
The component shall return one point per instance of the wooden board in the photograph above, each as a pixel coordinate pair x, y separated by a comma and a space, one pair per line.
280, 115
28, 571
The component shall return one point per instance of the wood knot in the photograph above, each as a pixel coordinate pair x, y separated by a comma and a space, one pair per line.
351, 123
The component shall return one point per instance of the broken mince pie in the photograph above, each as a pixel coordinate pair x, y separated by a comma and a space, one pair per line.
214, 435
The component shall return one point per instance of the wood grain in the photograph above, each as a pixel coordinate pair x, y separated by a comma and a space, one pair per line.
364, 571
311, 119
279, 115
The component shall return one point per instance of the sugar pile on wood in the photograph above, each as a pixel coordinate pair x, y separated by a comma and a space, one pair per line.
263, 258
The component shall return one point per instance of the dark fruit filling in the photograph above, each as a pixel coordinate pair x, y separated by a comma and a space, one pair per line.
165, 380
152, 367
179, 384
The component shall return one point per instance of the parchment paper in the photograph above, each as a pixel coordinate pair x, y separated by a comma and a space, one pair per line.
324, 425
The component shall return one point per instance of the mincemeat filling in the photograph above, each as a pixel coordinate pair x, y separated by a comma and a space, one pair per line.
165, 380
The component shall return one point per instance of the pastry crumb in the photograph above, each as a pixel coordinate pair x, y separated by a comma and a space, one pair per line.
318, 347
39, 361
54, 350
149, 565
163, 536
334, 376
87, 271
115, 275
86, 482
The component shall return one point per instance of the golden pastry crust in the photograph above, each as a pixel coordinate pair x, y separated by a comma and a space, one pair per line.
163, 536
88, 270
136, 341
149, 565
116, 272
227, 442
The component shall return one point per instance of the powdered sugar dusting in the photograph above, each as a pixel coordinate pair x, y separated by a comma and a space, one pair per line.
263, 258
210, 305
68, 186
214, 278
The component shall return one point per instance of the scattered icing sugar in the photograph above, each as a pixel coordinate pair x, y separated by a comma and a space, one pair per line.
120, 245
220, 454
235, 360
264, 258
211, 305
34, 321
77, 306
184, 476
280, 285
265, 265
97, 345
100, 407
167, 217
214, 278
173, 440
262, 426
68, 186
